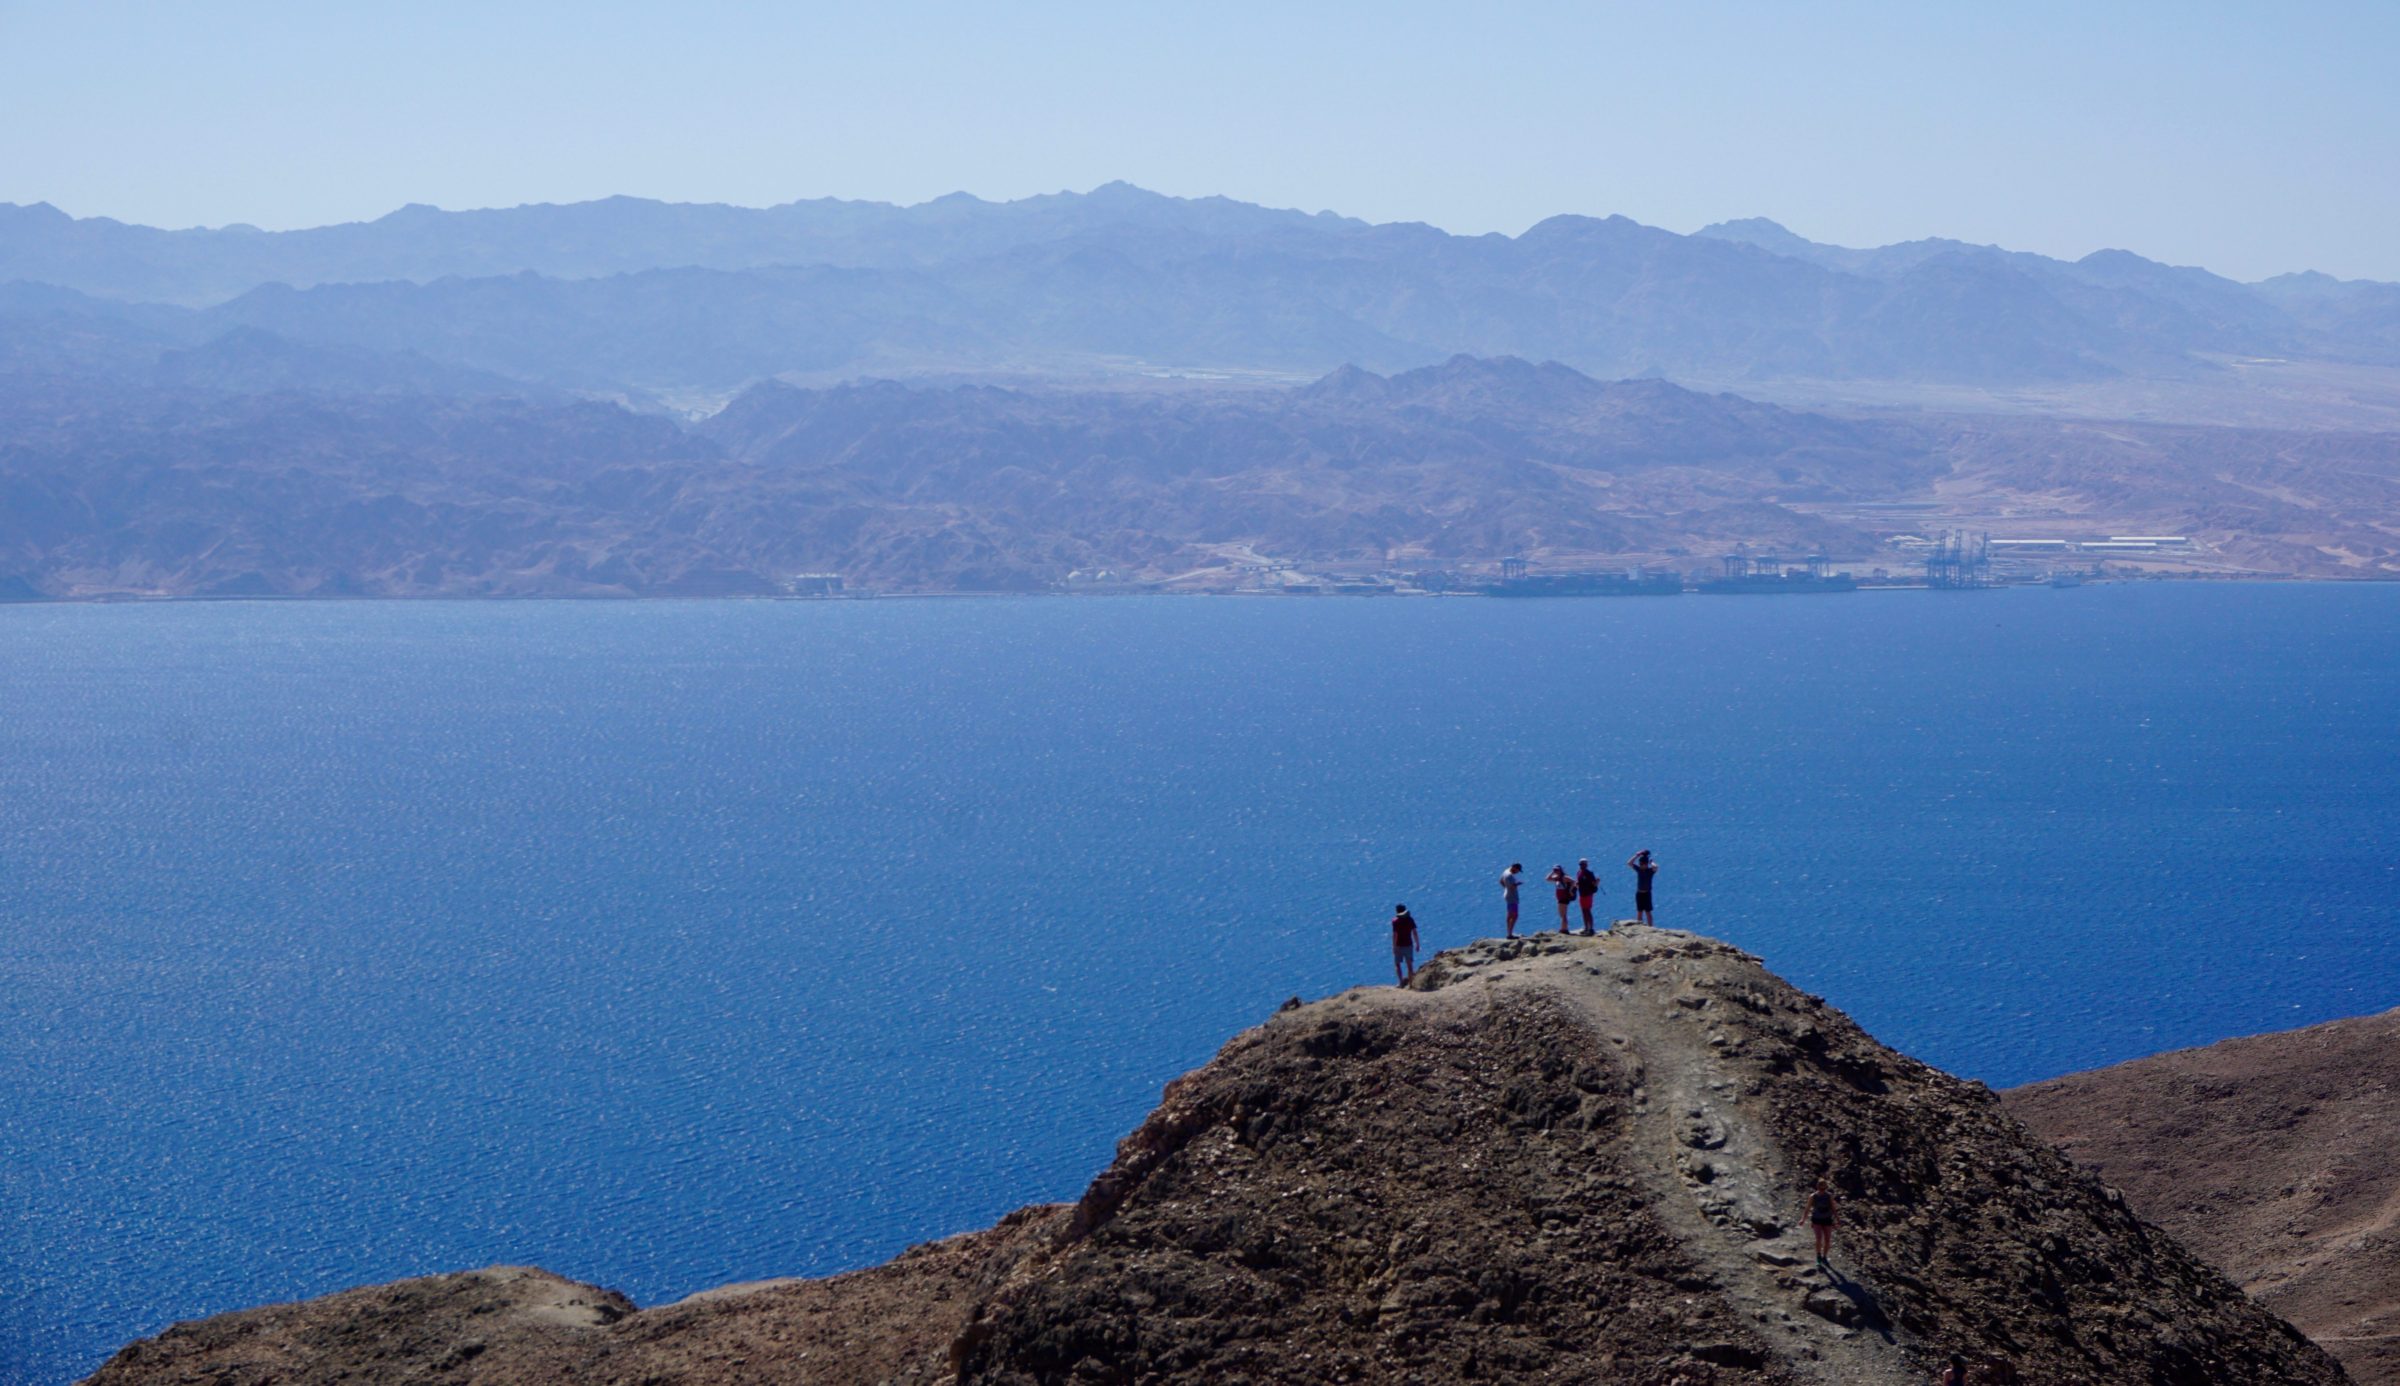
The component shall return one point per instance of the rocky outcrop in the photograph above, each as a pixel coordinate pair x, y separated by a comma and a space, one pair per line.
2270, 1156
1548, 1160
892, 1323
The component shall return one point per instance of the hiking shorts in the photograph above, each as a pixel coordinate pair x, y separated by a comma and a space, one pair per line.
1641, 901
1405, 954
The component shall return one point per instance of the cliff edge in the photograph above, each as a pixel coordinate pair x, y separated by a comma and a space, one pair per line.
1548, 1160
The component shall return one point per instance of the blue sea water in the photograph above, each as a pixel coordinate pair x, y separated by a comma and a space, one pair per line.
665, 944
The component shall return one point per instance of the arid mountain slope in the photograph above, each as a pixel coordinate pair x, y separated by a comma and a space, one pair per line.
248, 468
2272, 1157
515, 1326
182, 492
1551, 1160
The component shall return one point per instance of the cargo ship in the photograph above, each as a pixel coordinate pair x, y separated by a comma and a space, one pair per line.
1766, 574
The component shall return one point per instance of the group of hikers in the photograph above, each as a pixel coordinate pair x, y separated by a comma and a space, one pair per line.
1583, 885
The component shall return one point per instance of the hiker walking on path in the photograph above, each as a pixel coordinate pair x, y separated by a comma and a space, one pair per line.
1404, 944
1643, 870
1563, 886
1823, 1214
1509, 880
1587, 885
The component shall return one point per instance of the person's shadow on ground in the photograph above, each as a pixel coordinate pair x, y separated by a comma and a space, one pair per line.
1862, 1299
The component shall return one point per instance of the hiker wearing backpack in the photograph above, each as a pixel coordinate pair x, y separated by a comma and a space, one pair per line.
1509, 881
1404, 944
1562, 886
1587, 885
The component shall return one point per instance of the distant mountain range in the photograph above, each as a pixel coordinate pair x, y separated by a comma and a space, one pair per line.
214, 475
656, 300
628, 397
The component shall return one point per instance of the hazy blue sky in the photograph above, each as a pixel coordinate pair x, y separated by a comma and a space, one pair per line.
2248, 138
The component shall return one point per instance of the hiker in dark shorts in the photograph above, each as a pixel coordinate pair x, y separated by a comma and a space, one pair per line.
1823, 1213
1562, 885
1509, 880
1404, 944
1587, 885
1643, 869
1955, 1374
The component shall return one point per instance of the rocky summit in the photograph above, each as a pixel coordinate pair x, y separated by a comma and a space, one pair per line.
1547, 1160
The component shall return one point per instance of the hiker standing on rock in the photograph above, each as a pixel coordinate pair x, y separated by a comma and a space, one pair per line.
1562, 885
1643, 870
1404, 944
1587, 885
1823, 1213
1509, 881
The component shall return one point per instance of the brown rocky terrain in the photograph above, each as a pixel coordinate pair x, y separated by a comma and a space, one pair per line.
1548, 1160
187, 490
2272, 1157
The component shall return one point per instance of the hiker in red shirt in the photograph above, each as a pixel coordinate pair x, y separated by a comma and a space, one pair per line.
1587, 885
1404, 944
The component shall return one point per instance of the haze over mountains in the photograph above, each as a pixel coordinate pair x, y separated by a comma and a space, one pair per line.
627, 397
631, 295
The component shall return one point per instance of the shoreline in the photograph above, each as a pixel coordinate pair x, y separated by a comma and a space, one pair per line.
160, 599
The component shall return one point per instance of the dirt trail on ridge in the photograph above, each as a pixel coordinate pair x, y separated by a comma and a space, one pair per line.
1548, 1160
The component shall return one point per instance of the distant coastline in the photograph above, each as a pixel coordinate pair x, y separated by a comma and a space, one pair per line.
1090, 594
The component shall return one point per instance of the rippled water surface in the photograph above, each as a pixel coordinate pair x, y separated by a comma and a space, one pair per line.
671, 944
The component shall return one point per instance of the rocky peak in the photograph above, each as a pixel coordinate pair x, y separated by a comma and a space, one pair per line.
1549, 1159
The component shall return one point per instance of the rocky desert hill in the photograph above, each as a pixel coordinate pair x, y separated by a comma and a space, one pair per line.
1549, 1160
253, 468
2272, 1157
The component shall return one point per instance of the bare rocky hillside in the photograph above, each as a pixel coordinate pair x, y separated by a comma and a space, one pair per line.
1550, 1160
271, 471
2272, 1157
